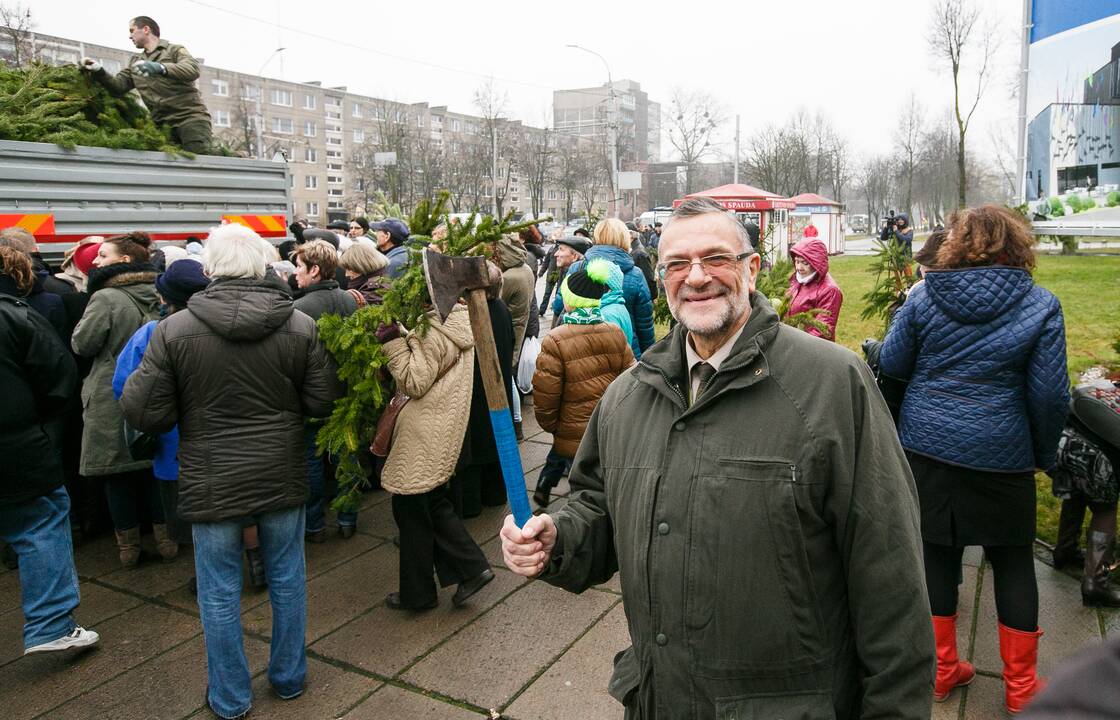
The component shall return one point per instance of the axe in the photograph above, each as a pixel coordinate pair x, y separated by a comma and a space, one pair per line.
449, 278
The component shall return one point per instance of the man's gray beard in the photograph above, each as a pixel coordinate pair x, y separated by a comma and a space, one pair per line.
732, 311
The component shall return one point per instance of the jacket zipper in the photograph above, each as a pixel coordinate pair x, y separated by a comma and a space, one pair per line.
668, 382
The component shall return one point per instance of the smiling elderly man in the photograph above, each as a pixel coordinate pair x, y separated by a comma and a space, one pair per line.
768, 552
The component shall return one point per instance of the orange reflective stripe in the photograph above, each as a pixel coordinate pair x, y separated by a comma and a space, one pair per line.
37, 224
275, 223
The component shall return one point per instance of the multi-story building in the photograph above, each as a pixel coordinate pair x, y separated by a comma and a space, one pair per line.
342, 147
585, 112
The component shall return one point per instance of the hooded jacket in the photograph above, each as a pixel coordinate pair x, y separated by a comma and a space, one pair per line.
574, 368
45, 302
984, 351
766, 537
238, 371
613, 308
435, 370
325, 298
38, 376
122, 298
634, 291
517, 289
820, 292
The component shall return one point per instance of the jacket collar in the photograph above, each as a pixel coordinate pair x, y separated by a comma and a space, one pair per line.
664, 366
119, 275
325, 285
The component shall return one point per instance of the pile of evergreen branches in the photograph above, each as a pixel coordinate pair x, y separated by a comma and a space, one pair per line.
64, 106
894, 276
361, 361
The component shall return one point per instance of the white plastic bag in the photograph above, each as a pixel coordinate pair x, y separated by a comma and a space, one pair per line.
527, 365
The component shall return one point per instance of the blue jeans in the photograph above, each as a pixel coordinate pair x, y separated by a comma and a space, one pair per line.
39, 532
217, 558
317, 500
554, 468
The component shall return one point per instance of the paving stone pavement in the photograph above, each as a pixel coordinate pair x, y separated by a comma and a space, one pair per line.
525, 649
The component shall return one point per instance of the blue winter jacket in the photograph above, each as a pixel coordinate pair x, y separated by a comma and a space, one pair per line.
634, 291
984, 351
165, 465
613, 307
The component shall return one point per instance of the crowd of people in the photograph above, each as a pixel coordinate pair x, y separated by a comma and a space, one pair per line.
150, 386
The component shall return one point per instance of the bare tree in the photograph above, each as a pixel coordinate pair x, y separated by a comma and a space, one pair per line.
590, 178
497, 130
874, 178
954, 33
908, 138
467, 172
534, 160
569, 170
1003, 152
774, 160
17, 23
692, 120
840, 161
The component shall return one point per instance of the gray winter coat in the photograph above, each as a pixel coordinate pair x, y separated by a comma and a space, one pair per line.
766, 537
238, 371
325, 299
123, 297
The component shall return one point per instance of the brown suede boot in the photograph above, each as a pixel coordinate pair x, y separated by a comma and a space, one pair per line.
168, 548
128, 544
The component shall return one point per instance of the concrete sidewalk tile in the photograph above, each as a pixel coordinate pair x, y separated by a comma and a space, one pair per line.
983, 699
1067, 624
532, 458
329, 691
505, 648
576, 685
49, 679
488, 524
966, 598
1111, 617
393, 702
336, 550
98, 604
338, 595
950, 709
385, 641
377, 520
97, 557
171, 686
152, 579
370, 499
9, 591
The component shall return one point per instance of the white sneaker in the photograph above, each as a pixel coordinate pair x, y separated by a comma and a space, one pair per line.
79, 637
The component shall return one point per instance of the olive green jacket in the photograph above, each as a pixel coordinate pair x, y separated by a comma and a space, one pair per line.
766, 538
124, 298
172, 99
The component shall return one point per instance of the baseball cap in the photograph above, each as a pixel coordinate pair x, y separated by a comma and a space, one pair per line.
396, 229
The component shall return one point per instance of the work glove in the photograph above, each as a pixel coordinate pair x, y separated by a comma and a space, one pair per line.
89, 64
148, 68
387, 332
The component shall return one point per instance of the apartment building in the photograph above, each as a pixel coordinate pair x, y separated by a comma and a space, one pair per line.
341, 147
584, 112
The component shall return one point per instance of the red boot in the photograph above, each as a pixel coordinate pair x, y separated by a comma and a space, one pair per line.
1019, 651
951, 671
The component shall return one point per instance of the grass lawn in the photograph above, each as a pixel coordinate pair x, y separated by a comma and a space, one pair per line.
1089, 289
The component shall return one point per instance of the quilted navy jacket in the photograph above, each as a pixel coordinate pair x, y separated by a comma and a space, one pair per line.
984, 350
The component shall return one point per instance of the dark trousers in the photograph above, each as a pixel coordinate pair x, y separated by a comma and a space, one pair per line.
476, 486
177, 528
130, 494
1013, 574
432, 535
194, 136
555, 467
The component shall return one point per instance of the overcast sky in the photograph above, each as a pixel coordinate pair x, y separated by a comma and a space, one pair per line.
855, 60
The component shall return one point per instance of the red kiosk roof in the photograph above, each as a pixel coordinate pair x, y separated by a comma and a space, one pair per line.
813, 199
742, 197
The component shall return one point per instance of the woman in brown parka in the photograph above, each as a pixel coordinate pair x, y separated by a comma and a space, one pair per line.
578, 360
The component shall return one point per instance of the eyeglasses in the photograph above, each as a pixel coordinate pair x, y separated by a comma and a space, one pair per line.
710, 264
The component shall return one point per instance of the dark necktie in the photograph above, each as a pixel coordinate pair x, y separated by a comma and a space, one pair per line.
704, 372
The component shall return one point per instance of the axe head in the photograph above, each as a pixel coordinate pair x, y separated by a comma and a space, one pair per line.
450, 277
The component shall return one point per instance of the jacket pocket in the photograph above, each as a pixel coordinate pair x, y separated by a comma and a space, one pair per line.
750, 606
626, 678
813, 706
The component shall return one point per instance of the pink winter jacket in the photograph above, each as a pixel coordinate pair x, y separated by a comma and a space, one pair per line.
820, 292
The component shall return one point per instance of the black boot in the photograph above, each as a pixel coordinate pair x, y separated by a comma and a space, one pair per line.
542, 495
1096, 591
1066, 552
257, 575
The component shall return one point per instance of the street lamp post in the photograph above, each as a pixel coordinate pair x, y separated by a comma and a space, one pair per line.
260, 91
612, 128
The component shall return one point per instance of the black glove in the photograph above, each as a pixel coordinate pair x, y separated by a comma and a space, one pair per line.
387, 332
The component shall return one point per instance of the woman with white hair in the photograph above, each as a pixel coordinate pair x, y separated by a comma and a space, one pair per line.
239, 371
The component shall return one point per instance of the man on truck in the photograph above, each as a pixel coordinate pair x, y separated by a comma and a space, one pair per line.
164, 74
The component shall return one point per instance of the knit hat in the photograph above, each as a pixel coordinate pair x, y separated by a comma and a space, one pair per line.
181, 280
587, 285
84, 255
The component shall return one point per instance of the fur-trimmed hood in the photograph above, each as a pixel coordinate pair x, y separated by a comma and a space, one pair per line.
121, 274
